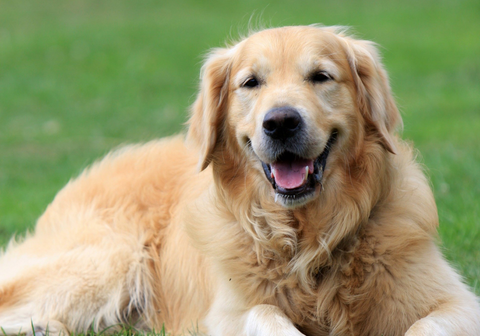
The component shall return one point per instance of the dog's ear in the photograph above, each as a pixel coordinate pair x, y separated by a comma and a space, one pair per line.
373, 89
208, 111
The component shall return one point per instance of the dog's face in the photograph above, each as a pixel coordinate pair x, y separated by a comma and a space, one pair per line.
290, 97
292, 101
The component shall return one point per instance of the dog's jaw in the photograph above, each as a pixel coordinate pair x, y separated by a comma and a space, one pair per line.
306, 176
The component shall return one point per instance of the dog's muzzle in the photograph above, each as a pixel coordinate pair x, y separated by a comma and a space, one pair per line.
294, 178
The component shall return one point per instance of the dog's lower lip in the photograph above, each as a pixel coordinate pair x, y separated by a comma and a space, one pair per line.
295, 191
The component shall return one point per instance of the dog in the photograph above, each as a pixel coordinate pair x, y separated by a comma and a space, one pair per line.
290, 207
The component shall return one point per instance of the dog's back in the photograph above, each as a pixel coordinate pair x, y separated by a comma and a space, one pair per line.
96, 253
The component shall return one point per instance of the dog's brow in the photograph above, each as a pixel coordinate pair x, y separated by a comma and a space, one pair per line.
242, 75
323, 64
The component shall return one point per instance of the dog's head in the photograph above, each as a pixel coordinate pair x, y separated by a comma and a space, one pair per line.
292, 101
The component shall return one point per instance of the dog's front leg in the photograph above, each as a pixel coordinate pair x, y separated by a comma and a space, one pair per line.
260, 320
458, 317
268, 320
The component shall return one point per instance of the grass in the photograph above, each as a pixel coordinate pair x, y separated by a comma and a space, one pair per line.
80, 77
121, 330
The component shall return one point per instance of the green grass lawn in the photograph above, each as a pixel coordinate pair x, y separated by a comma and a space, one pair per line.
80, 77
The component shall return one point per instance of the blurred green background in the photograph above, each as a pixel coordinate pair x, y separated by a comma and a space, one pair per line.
78, 78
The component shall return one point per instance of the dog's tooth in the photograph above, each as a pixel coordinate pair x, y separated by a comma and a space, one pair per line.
276, 197
272, 173
306, 174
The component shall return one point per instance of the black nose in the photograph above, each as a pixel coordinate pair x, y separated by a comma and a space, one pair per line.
282, 123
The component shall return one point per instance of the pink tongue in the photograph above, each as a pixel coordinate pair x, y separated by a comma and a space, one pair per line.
290, 175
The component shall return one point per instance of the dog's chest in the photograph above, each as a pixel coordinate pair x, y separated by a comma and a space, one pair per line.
321, 304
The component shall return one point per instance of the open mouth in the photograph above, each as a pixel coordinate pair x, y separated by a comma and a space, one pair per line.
294, 178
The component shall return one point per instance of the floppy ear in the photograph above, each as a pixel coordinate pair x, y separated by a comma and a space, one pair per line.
207, 113
373, 89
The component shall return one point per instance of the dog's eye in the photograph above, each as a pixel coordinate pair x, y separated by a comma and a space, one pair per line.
251, 82
320, 77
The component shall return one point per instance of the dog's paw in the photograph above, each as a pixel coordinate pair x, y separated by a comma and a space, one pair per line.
52, 328
427, 327
263, 320
36, 330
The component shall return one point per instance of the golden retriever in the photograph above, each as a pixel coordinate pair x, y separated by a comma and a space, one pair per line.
291, 207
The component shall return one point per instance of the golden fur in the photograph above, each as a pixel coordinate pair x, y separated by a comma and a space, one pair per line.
189, 231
